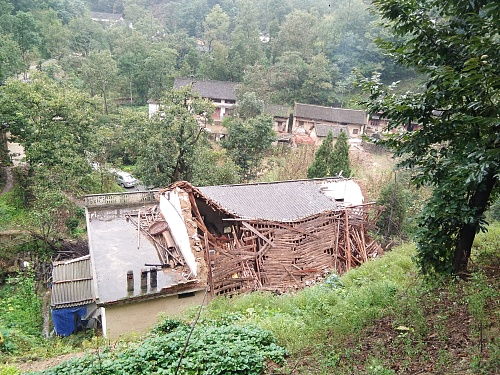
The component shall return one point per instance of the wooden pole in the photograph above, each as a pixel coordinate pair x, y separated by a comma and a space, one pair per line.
347, 240
209, 264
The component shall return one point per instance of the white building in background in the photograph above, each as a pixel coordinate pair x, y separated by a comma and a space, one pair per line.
16, 152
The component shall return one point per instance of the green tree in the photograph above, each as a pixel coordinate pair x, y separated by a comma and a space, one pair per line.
99, 72
216, 26
11, 61
455, 149
321, 164
298, 33
394, 200
317, 86
213, 166
53, 35
339, 159
168, 143
248, 141
85, 36
54, 124
25, 32
249, 105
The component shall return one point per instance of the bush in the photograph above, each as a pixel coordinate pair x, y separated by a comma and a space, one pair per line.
214, 350
20, 314
167, 326
395, 202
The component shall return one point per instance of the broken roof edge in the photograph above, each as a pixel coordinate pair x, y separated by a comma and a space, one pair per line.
130, 198
186, 287
69, 261
190, 188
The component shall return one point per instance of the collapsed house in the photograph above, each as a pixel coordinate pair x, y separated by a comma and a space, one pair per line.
163, 251
274, 236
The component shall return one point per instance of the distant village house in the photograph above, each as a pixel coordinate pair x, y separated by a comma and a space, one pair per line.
317, 121
221, 93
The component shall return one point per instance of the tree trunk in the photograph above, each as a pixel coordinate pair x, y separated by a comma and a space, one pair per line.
478, 202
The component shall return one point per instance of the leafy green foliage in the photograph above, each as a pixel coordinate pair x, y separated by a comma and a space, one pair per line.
54, 124
395, 201
169, 142
249, 105
11, 61
12, 210
99, 73
331, 160
455, 149
20, 313
248, 141
225, 349
213, 166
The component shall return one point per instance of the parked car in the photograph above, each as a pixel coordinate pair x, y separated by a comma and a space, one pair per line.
125, 179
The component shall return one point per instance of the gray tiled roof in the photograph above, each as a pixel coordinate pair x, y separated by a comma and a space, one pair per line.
330, 114
322, 130
277, 110
72, 283
278, 201
209, 89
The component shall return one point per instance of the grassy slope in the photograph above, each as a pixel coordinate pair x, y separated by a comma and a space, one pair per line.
12, 213
383, 318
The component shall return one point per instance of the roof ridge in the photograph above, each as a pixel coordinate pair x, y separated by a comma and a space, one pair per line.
328, 107
204, 80
280, 182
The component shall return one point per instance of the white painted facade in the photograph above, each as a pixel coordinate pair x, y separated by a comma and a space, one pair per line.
347, 191
16, 152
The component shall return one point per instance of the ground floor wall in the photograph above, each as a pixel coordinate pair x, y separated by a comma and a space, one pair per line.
139, 317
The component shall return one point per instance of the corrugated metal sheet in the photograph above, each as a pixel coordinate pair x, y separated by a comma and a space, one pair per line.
72, 283
280, 201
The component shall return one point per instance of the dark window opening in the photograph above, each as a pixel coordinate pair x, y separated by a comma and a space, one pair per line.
186, 295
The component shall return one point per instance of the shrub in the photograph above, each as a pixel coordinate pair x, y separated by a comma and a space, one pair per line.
167, 326
395, 201
214, 350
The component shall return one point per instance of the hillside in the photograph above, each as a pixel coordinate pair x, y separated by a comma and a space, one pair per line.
382, 318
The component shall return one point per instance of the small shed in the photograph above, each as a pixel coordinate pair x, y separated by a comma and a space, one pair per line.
73, 299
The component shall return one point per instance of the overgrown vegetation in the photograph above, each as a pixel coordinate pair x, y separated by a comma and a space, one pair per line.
20, 314
384, 318
221, 349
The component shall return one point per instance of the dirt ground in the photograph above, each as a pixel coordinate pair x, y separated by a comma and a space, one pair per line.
43, 364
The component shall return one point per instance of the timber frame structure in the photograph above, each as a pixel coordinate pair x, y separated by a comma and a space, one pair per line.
248, 254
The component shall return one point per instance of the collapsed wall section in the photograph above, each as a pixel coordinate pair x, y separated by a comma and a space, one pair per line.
249, 254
